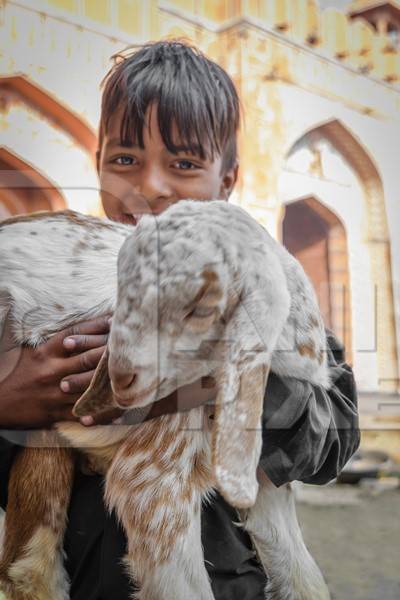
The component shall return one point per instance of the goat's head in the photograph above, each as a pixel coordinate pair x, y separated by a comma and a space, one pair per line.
173, 297
167, 317
173, 324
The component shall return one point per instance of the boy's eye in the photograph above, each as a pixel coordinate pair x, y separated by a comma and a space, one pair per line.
124, 160
185, 165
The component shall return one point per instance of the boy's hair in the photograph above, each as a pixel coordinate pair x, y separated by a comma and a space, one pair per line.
190, 90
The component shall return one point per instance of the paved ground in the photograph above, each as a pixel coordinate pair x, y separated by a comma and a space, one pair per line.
355, 538
354, 531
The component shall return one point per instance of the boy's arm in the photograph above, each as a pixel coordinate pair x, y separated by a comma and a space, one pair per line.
30, 393
309, 433
31, 379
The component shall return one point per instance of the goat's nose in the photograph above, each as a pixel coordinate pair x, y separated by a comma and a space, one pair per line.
122, 380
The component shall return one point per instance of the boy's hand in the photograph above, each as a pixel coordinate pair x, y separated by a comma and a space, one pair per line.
39, 386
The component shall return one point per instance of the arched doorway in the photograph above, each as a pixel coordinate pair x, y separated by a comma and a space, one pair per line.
23, 189
329, 163
317, 238
42, 136
19, 88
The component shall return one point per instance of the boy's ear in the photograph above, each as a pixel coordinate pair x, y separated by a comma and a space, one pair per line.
228, 182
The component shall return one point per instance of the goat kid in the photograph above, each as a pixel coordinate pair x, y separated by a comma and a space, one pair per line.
201, 289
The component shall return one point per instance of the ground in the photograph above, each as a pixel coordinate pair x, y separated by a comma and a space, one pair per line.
353, 531
355, 537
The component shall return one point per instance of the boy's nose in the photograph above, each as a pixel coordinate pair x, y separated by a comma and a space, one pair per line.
155, 189
151, 192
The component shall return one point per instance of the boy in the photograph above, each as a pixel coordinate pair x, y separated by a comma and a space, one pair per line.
168, 131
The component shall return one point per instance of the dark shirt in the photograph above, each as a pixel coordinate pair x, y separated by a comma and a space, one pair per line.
308, 433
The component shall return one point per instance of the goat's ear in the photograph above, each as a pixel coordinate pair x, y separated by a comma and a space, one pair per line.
99, 396
202, 311
237, 435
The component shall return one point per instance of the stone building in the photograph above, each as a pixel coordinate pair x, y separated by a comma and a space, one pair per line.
319, 145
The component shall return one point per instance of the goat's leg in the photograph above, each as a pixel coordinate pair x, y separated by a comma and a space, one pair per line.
272, 524
156, 484
31, 566
181, 573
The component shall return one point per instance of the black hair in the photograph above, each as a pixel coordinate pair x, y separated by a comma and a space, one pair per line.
190, 90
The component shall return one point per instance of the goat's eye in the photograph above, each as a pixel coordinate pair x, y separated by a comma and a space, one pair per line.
201, 312
201, 318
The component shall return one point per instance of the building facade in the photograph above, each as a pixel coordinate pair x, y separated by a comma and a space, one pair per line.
319, 144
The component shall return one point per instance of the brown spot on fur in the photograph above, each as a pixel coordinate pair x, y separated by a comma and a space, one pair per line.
210, 276
59, 307
79, 219
35, 216
208, 295
162, 442
48, 468
80, 246
320, 356
179, 448
61, 215
307, 350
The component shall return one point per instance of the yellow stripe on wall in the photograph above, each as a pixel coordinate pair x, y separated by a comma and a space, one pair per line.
98, 10
70, 5
130, 16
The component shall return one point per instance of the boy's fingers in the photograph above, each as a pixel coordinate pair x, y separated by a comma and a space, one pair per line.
98, 326
84, 362
65, 414
91, 327
80, 343
78, 383
102, 419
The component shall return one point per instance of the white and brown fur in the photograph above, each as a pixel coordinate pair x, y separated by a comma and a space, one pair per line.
200, 290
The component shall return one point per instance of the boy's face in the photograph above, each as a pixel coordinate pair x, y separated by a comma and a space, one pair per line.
134, 181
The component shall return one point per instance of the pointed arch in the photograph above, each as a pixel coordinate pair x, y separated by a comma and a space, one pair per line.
358, 157
376, 239
19, 87
23, 188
